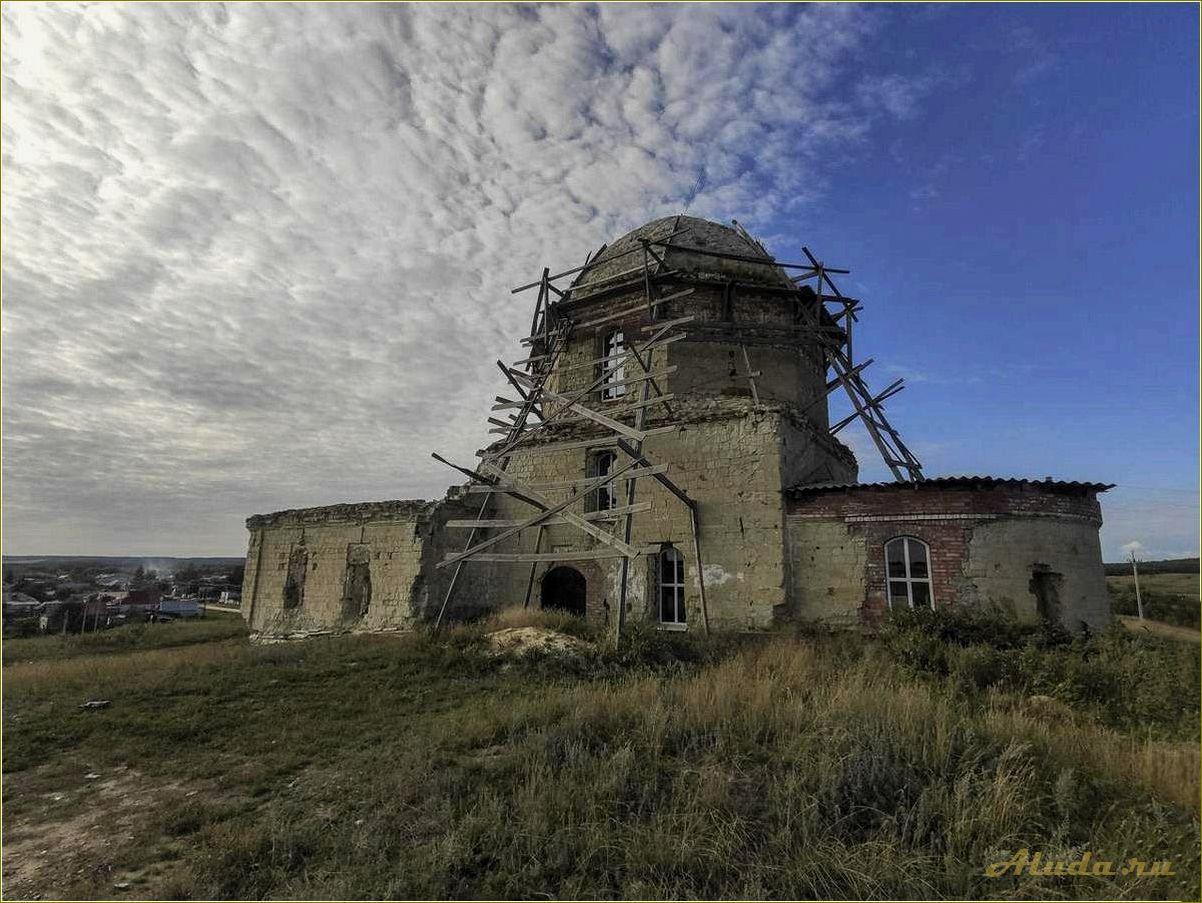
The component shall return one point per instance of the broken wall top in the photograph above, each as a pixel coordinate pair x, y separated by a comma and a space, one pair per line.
352, 513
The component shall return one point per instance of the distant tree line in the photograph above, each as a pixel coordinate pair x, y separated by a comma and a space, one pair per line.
1167, 566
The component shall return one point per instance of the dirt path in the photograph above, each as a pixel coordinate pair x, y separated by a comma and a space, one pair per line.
71, 837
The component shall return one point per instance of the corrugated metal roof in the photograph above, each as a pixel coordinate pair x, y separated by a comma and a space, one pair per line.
956, 482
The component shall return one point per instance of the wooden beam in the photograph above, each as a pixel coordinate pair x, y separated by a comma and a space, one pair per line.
608, 422
538, 544
551, 448
746, 258
835, 383
572, 517
530, 285
576, 396
750, 377
476, 475
635, 380
540, 517
638, 473
631, 408
618, 357
562, 555
636, 455
531, 339
632, 310
608, 514
696, 528
679, 321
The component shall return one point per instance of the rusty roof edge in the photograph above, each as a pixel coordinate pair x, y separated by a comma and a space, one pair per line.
952, 481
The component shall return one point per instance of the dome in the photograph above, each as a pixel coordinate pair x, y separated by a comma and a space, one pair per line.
697, 247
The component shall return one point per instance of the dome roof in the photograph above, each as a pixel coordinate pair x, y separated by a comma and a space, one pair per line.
697, 247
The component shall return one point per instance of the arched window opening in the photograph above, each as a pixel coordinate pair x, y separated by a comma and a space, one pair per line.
671, 587
604, 496
294, 578
614, 353
356, 584
564, 588
907, 564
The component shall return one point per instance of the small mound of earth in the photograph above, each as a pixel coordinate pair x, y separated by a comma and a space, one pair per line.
521, 640
1046, 706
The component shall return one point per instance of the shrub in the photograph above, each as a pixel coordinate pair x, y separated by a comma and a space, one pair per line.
1172, 608
1117, 678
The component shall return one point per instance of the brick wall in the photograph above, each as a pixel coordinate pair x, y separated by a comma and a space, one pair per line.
984, 542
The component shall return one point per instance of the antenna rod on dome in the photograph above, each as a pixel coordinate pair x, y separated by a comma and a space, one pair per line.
693, 192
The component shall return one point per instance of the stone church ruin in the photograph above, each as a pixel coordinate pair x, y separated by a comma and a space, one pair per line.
664, 453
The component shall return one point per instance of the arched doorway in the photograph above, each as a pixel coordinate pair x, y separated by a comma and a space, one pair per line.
563, 588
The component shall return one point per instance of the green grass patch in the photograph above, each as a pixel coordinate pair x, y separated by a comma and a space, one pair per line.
1171, 598
420, 766
1121, 680
127, 638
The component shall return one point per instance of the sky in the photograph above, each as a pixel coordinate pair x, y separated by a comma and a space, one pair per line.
258, 257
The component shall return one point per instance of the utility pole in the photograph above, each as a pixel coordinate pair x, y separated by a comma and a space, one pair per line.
1139, 602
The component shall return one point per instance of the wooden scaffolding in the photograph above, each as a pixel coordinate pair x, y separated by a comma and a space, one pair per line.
525, 421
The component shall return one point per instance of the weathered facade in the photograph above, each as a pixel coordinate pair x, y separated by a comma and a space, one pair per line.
1028, 548
339, 568
740, 422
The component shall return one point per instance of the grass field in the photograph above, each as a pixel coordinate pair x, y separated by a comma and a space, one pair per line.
1172, 598
419, 766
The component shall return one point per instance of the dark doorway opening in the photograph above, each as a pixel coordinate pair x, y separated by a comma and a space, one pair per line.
356, 591
294, 579
1045, 587
563, 588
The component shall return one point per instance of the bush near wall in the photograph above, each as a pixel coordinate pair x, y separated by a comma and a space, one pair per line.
1117, 678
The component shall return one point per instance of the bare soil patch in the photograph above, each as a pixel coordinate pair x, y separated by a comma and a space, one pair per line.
72, 835
524, 640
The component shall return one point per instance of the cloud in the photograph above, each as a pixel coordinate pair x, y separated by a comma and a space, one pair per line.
1165, 517
913, 375
259, 256
896, 94
1034, 59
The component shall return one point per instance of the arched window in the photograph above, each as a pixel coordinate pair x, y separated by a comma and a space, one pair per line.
671, 587
907, 563
614, 352
294, 578
605, 496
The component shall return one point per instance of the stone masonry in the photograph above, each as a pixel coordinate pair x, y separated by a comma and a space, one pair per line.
785, 533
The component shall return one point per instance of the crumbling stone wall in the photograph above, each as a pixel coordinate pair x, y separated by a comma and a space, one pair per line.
985, 543
732, 458
346, 568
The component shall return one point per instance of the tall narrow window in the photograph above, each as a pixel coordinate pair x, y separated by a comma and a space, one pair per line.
671, 587
907, 563
614, 354
356, 584
294, 578
605, 496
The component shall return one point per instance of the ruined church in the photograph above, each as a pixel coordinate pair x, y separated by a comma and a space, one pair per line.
664, 453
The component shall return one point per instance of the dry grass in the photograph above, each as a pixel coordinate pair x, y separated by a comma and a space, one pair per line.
1161, 629
1180, 584
417, 766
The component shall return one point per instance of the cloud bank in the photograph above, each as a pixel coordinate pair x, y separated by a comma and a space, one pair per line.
260, 256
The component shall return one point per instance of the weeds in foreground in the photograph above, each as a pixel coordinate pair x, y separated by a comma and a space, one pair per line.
421, 767
1130, 682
